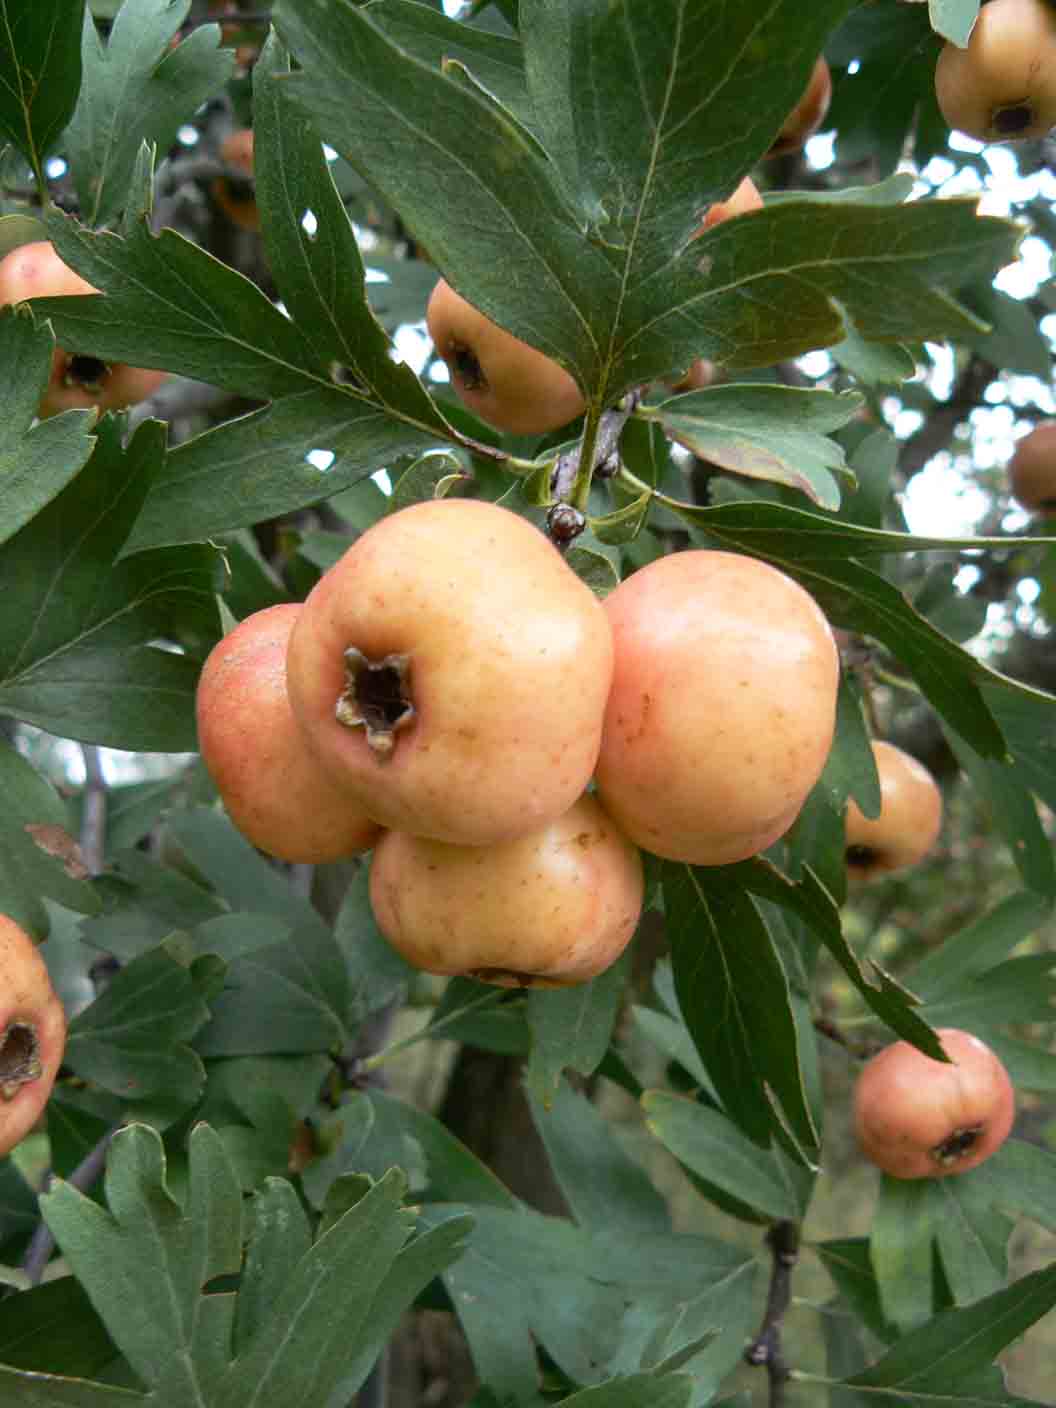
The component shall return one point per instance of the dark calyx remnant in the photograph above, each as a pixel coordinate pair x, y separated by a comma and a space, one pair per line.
376, 698
1017, 117
468, 370
956, 1145
19, 1058
89, 372
564, 523
860, 856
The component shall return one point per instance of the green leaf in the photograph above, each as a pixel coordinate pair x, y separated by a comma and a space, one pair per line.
25, 1390
735, 997
145, 1259
900, 1248
774, 433
281, 1237
714, 1148
54, 1328
979, 946
940, 1360
637, 1391
847, 1262
136, 90
572, 1027
144, 903
132, 1040
38, 859
953, 19
40, 72
77, 646
601, 1184
37, 462
601, 1301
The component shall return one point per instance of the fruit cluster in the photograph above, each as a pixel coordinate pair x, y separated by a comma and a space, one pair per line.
449, 690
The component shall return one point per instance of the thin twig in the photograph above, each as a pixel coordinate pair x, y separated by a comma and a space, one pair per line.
93, 810
566, 474
766, 1348
83, 1177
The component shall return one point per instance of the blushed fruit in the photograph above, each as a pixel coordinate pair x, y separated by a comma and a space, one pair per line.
452, 671
32, 1034
512, 386
1002, 86
919, 1118
77, 380
274, 788
1032, 469
555, 907
235, 192
722, 708
909, 822
700, 374
808, 114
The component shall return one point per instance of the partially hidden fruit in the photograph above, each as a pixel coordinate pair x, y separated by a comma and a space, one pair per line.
451, 670
274, 788
77, 380
909, 822
1002, 86
744, 199
808, 114
32, 1034
919, 1118
1032, 469
509, 384
722, 709
555, 907
235, 192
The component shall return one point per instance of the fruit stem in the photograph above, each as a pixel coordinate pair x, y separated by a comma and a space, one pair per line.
588, 448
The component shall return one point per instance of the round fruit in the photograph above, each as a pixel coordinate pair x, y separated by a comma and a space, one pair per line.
745, 198
808, 114
512, 386
919, 1118
452, 670
1002, 87
32, 1034
1032, 469
553, 908
909, 821
722, 708
700, 374
274, 788
77, 380
235, 193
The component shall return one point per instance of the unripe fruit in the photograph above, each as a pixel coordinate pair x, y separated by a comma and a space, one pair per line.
722, 709
1032, 469
512, 386
1002, 87
553, 908
77, 380
919, 1118
274, 788
808, 114
235, 194
909, 822
32, 1034
452, 670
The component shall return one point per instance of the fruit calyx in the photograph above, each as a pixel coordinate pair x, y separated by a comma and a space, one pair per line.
376, 698
89, 373
467, 367
956, 1145
860, 856
19, 1058
1011, 118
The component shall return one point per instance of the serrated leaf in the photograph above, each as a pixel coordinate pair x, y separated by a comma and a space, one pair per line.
714, 1148
40, 72
601, 1184
36, 462
78, 652
773, 433
132, 1040
145, 1259
571, 1027
135, 89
